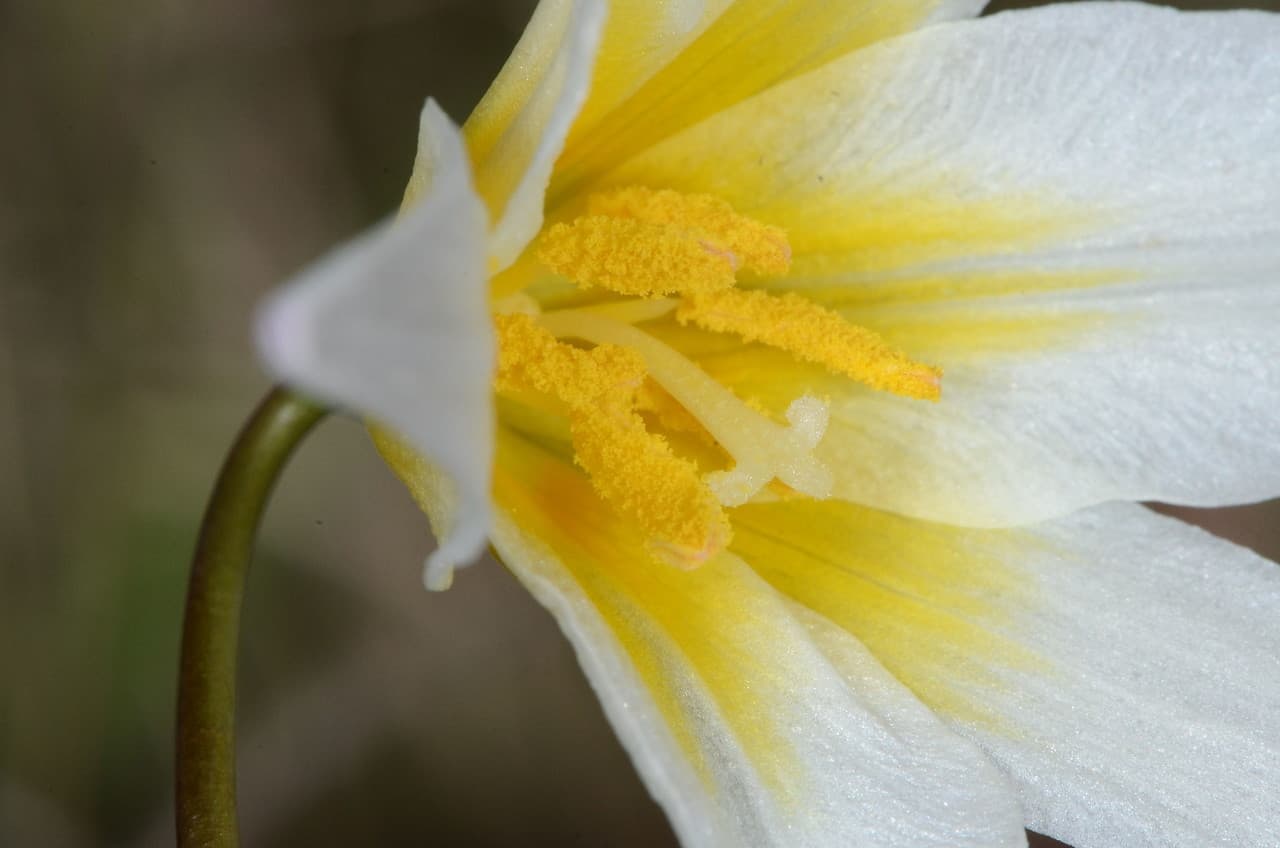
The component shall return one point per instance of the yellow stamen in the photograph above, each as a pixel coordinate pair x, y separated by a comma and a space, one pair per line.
815, 334
632, 469
761, 449
634, 257
760, 247
646, 245
641, 242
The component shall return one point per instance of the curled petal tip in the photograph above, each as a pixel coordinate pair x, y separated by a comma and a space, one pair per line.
459, 548
437, 575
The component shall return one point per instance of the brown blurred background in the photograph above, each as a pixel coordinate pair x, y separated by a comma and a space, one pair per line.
162, 165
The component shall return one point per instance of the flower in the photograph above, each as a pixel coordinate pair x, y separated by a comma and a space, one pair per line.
730, 245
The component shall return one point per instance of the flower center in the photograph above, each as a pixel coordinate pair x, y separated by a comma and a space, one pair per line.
668, 253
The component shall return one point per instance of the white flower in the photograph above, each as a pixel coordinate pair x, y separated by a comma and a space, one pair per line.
946, 623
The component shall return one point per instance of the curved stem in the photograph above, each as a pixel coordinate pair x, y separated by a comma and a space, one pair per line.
205, 756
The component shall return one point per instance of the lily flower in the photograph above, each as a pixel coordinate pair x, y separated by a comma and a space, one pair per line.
805, 360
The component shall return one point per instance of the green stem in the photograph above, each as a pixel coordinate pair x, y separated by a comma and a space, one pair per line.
205, 757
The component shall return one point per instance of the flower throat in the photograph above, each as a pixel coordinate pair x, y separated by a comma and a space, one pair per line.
668, 252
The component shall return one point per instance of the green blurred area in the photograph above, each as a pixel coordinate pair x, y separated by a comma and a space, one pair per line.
163, 165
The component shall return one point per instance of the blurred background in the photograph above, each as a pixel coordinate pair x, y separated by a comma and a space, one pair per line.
162, 165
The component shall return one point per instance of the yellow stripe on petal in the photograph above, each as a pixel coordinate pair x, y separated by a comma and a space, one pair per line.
845, 230
640, 37
974, 335
869, 292
915, 593
756, 721
656, 614
752, 45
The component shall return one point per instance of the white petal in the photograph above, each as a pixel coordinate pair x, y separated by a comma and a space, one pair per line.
519, 128
1155, 393
751, 721
1072, 210
1122, 667
1159, 723
394, 326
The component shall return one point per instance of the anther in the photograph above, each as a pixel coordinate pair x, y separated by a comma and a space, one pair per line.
632, 469
815, 334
